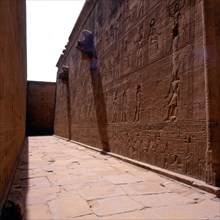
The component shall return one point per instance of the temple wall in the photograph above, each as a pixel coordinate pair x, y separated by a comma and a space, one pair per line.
40, 108
148, 100
12, 87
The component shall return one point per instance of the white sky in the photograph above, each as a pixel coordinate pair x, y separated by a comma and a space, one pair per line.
49, 24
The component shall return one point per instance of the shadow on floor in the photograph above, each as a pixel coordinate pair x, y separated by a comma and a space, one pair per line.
19, 188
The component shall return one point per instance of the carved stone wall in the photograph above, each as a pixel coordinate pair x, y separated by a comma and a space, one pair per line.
40, 108
149, 99
12, 86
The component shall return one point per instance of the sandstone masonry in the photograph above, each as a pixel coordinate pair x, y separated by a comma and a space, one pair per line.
12, 87
40, 107
156, 95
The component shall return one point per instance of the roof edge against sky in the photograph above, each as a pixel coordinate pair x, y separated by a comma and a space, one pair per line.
83, 16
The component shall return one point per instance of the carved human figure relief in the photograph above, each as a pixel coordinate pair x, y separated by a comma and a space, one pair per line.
153, 36
127, 13
173, 94
117, 64
137, 104
176, 66
175, 14
140, 9
115, 105
124, 107
139, 43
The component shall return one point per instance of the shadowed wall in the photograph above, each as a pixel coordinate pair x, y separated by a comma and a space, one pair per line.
12, 87
160, 87
40, 108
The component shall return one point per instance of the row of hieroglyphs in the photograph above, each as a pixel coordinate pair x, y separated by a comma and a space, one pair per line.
128, 50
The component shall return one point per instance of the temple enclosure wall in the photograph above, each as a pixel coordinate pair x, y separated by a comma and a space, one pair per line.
40, 108
12, 87
156, 95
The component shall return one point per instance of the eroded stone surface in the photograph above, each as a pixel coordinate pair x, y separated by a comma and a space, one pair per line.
39, 211
94, 192
98, 192
114, 205
69, 207
148, 99
144, 188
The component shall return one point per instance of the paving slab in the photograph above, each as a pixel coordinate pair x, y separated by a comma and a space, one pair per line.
98, 192
114, 205
181, 212
122, 179
69, 207
142, 188
162, 200
58, 179
145, 214
38, 212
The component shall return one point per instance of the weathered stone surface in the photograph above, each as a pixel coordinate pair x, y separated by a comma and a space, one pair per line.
122, 179
99, 192
13, 76
114, 205
39, 211
155, 96
162, 199
86, 194
69, 207
40, 107
180, 212
143, 214
144, 188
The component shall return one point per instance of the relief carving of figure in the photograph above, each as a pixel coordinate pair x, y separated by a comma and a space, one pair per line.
124, 107
173, 92
115, 105
139, 42
175, 13
140, 9
137, 104
127, 14
154, 46
173, 95
117, 64
176, 66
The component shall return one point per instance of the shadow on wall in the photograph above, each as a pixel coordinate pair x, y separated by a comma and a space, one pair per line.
16, 203
100, 107
38, 131
40, 108
88, 51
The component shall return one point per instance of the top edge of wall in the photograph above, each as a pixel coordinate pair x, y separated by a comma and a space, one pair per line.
86, 10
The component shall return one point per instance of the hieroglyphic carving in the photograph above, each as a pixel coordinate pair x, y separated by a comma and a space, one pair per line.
140, 9
127, 14
127, 55
175, 14
139, 42
137, 104
173, 92
154, 41
124, 106
116, 63
115, 106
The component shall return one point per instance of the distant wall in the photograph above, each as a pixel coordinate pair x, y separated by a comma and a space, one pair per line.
12, 86
154, 98
40, 107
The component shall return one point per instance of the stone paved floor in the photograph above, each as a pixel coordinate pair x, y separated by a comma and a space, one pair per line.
57, 179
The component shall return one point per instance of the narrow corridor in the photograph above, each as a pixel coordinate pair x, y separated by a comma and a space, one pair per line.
57, 179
